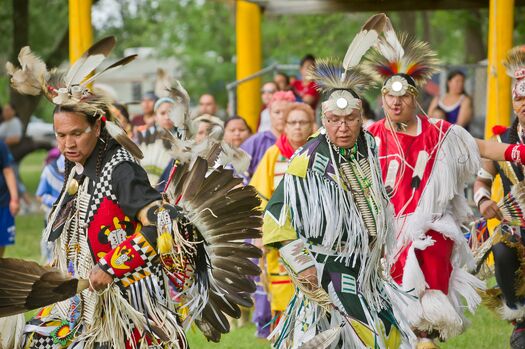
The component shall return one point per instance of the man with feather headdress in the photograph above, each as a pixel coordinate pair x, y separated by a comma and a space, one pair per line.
508, 299
425, 164
331, 221
120, 248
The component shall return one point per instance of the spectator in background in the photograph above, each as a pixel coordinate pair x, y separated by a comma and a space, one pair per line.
51, 182
207, 126
207, 105
267, 92
48, 191
11, 131
147, 117
11, 126
152, 142
257, 144
305, 88
299, 125
282, 81
120, 112
369, 117
456, 104
236, 131
9, 203
438, 113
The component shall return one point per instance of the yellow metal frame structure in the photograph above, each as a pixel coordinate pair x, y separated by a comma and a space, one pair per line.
501, 26
499, 111
80, 28
249, 58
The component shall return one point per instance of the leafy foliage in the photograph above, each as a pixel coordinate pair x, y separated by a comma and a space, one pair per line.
200, 34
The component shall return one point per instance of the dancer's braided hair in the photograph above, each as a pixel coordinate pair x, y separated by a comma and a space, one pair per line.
513, 132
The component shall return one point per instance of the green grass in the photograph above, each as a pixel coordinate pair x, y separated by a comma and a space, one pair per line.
487, 331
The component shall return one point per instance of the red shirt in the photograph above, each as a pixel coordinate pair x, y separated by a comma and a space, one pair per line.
306, 89
411, 146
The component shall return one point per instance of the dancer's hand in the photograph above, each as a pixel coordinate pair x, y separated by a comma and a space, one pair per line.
489, 209
309, 276
14, 206
99, 279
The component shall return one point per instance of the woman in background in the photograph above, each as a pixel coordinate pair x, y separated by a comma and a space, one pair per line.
456, 104
299, 124
236, 131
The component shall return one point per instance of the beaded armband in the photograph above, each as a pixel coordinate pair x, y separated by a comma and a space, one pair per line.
296, 256
130, 261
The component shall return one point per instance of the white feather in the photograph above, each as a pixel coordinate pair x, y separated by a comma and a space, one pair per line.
181, 149
365, 39
162, 83
89, 61
111, 68
390, 46
29, 61
361, 43
28, 79
238, 158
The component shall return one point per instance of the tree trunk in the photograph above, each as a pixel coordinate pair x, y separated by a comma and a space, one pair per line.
427, 30
407, 22
25, 105
474, 43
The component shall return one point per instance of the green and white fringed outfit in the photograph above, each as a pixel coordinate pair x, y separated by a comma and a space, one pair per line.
333, 200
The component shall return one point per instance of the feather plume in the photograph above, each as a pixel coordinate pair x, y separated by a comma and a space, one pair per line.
181, 150
515, 61
25, 285
221, 215
238, 158
120, 63
236, 265
159, 147
31, 76
390, 46
363, 40
216, 319
118, 134
209, 332
89, 61
512, 205
327, 75
405, 56
227, 307
227, 249
162, 83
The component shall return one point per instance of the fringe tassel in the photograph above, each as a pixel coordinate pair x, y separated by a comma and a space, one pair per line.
456, 162
11, 330
335, 212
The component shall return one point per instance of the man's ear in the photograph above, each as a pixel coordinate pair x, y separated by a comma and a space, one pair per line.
98, 127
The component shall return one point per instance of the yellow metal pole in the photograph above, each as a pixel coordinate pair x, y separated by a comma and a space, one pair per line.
501, 26
248, 33
80, 29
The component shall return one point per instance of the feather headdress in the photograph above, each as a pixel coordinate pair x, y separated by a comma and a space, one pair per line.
515, 66
401, 65
343, 80
71, 89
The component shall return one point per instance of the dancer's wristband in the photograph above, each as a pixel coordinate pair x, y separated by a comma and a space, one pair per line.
296, 256
515, 153
480, 194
